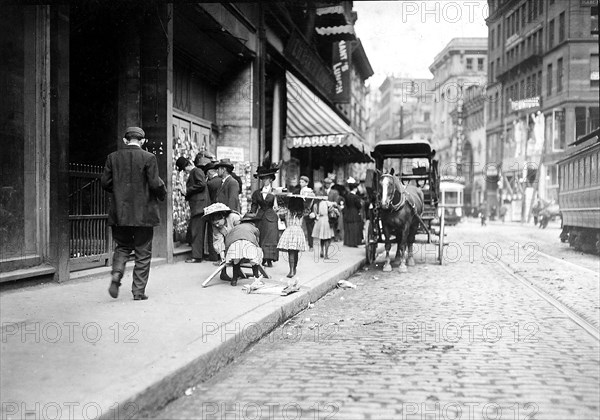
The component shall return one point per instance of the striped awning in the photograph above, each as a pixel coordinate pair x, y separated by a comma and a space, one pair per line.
312, 123
336, 22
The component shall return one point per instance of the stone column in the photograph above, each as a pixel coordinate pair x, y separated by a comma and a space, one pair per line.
156, 109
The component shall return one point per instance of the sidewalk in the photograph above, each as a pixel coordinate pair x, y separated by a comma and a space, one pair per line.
70, 351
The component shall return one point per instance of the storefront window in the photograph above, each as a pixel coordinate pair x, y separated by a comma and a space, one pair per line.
19, 205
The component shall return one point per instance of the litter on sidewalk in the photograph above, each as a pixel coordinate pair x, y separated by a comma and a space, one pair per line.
345, 284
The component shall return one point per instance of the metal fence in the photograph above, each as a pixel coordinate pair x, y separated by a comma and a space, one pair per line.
90, 237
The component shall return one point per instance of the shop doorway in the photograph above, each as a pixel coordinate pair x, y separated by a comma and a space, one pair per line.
93, 122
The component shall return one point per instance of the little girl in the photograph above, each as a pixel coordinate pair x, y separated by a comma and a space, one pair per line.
292, 240
322, 229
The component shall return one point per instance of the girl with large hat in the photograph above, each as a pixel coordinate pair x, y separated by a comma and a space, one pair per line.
263, 204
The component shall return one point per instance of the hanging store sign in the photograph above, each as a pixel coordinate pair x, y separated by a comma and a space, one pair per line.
306, 60
341, 71
525, 103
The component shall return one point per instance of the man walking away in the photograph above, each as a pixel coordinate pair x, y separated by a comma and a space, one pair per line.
131, 177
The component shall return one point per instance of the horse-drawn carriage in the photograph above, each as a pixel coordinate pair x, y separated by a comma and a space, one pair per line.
403, 194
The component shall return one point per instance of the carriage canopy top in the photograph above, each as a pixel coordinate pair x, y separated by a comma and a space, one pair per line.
403, 149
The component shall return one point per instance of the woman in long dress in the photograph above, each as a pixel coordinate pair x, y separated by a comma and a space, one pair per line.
353, 223
263, 203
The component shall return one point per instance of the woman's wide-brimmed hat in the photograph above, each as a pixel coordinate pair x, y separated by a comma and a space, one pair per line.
226, 163
267, 168
216, 208
250, 217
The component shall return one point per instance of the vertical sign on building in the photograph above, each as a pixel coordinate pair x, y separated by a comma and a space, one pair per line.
341, 71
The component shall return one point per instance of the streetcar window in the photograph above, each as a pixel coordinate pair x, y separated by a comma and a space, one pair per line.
581, 172
572, 175
588, 170
452, 197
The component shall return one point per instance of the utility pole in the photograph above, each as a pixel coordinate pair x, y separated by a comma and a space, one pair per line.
401, 121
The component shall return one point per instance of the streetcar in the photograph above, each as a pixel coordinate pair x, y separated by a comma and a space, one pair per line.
452, 199
579, 194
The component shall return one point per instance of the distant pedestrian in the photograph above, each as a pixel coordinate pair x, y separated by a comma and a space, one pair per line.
292, 240
503, 211
229, 191
483, 214
535, 211
196, 194
131, 176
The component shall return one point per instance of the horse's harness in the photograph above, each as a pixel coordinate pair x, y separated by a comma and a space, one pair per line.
403, 197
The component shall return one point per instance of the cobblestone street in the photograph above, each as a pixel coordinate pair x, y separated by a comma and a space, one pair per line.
458, 341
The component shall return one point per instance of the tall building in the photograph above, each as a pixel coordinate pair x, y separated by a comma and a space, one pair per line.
468, 119
542, 94
404, 109
459, 66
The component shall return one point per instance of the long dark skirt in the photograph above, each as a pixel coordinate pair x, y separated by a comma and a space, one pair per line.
269, 236
353, 233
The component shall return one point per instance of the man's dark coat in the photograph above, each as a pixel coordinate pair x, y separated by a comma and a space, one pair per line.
131, 176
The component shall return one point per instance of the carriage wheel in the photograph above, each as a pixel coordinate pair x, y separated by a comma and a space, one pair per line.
441, 239
370, 242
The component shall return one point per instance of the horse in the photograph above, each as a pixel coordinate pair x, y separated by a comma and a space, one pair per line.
400, 206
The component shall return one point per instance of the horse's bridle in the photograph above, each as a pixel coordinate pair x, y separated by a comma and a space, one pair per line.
397, 206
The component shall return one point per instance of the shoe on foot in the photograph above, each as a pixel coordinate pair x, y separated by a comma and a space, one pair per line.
224, 276
234, 282
140, 297
113, 290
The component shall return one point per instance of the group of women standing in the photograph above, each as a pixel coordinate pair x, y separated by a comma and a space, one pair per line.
298, 214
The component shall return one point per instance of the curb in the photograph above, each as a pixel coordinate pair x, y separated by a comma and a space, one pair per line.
203, 367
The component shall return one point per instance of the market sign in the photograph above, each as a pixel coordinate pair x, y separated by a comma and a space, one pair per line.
315, 141
525, 103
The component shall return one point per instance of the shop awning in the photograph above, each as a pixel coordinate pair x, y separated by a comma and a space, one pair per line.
312, 123
335, 22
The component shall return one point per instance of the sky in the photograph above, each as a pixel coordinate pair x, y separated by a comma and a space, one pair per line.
402, 38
